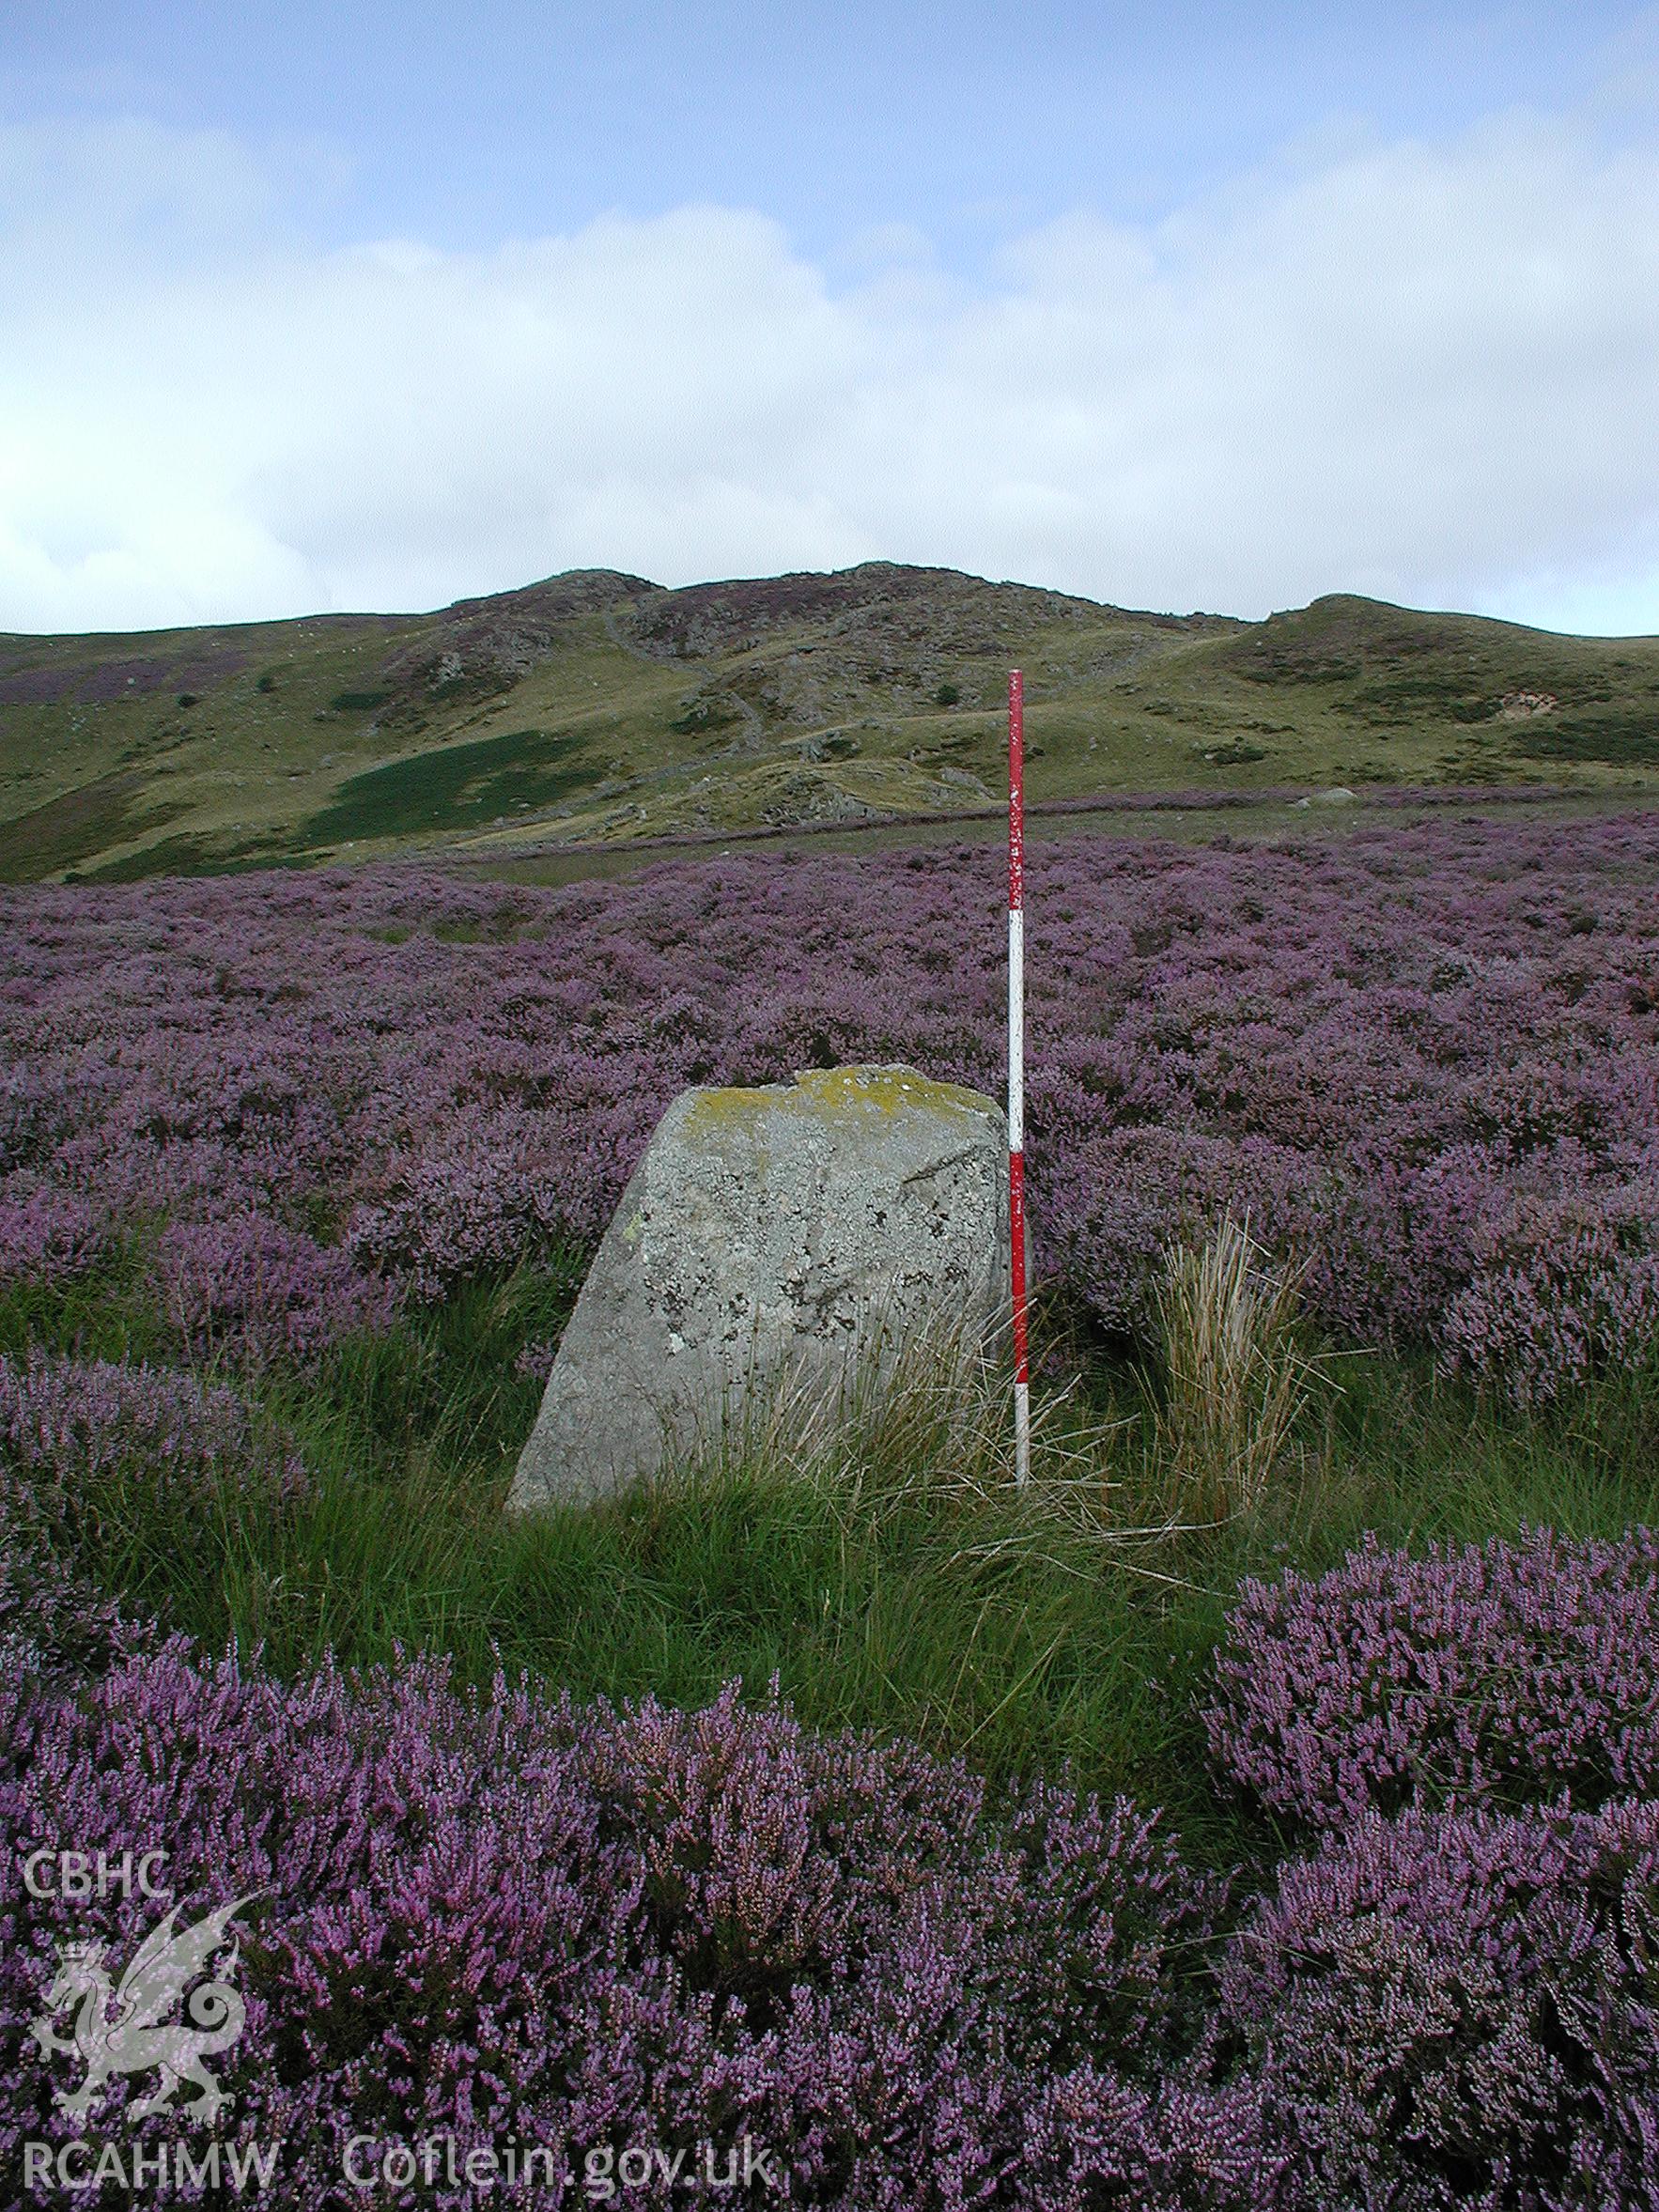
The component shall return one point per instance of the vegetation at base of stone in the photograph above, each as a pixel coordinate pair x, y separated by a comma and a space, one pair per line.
873, 694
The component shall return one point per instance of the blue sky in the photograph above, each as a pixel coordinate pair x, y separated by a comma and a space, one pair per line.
325, 305
971, 122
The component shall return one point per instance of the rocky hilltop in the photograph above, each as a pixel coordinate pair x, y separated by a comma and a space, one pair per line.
598, 707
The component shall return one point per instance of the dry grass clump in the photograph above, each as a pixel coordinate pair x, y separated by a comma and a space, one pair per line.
1234, 1373
929, 1411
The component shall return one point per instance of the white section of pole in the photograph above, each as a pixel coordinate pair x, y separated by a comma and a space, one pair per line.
1022, 1408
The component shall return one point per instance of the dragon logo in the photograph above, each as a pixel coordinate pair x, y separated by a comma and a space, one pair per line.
154, 2026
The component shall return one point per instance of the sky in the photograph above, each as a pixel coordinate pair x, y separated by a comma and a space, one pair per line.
311, 306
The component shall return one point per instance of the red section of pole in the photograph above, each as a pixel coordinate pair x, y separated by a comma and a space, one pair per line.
1016, 1063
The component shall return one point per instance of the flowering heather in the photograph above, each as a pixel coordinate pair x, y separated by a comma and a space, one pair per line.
1570, 1283
499, 1918
76, 1435
258, 1290
120, 679
53, 1618
49, 1235
1503, 1674
1424, 1060
1459, 2013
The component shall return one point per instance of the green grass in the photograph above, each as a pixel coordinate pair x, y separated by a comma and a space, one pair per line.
52, 836
451, 787
1628, 738
106, 1315
902, 1583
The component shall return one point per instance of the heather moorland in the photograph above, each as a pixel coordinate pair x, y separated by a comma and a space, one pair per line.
1176, 1832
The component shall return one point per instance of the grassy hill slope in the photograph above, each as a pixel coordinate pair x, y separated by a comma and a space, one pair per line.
596, 707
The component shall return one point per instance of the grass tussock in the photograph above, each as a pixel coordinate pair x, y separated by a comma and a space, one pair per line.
1236, 1376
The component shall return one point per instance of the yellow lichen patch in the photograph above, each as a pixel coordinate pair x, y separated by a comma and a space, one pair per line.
826, 1091
728, 1109
891, 1090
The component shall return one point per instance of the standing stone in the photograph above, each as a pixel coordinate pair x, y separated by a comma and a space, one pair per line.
794, 1236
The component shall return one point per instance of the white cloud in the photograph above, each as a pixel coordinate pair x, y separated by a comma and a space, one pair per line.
1429, 372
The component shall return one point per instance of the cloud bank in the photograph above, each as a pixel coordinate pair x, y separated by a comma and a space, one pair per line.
1429, 372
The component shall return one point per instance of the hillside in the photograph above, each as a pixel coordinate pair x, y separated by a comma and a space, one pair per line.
596, 707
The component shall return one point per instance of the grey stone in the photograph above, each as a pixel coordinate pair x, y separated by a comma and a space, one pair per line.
792, 1237
963, 779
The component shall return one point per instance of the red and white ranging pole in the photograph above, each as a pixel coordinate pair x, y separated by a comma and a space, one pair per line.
1022, 1397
